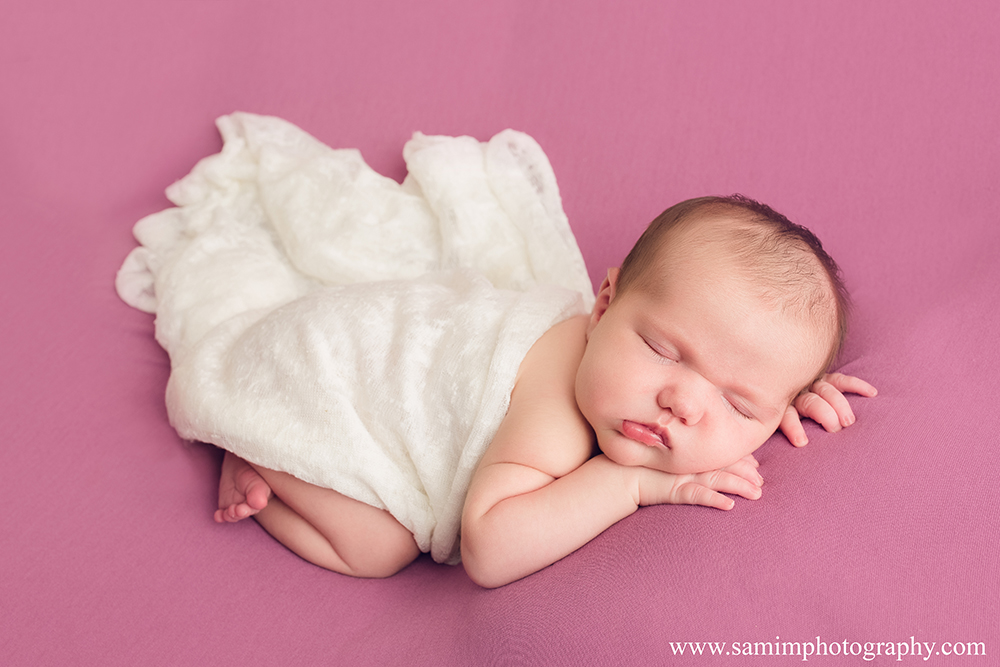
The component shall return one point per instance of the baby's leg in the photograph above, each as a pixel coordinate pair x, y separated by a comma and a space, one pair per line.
242, 491
333, 531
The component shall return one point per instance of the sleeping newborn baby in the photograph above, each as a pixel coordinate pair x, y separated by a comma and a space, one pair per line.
716, 331
422, 367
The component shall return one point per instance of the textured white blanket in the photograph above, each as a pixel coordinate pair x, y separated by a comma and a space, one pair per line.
359, 334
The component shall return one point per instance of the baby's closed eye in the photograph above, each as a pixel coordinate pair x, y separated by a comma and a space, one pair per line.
735, 408
662, 353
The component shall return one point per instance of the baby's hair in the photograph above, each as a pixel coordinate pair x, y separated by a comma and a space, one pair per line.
775, 250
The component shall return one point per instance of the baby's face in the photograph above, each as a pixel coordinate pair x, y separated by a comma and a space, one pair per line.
692, 373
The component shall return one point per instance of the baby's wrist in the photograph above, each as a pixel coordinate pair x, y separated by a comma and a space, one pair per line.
624, 479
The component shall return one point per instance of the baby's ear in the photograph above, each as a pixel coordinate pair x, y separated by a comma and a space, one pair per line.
604, 298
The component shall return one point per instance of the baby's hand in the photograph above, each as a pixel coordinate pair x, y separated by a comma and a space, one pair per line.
741, 478
824, 403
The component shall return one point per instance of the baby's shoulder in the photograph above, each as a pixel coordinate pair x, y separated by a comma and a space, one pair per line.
555, 357
544, 427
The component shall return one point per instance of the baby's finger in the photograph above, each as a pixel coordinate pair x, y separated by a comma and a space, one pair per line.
747, 469
791, 426
837, 401
751, 460
693, 493
849, 383
727, 482
816, 408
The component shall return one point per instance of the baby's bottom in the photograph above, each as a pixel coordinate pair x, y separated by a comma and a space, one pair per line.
320, 525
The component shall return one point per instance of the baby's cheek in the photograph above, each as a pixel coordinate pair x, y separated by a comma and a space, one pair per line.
623, 452
731, 449
583, 388
754, 441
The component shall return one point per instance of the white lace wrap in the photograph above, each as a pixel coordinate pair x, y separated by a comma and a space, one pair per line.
359, 334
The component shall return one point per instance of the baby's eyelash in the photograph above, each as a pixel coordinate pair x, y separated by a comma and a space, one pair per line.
664, 357
737, 410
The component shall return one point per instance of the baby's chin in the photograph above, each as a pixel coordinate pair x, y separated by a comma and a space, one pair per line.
670, 460
688, 469
675, 466
694, 467
637, 456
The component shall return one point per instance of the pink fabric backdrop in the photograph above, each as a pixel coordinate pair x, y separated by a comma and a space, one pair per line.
873, 123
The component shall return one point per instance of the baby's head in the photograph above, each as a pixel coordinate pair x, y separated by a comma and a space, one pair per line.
784, 263
720, 315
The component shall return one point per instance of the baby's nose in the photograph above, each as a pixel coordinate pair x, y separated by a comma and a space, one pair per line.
685, 399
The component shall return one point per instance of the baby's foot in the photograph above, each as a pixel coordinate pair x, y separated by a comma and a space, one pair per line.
242, 491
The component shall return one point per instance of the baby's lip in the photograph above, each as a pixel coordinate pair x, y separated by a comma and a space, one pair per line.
650, 435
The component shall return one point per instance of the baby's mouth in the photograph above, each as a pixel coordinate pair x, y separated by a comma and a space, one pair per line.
645, 434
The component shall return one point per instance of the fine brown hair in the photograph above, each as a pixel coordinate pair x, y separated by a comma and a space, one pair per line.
778, 250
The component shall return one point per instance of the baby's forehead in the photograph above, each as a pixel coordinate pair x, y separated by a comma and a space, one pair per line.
781, 270
729, 308
703, 249
709, 240
784, 264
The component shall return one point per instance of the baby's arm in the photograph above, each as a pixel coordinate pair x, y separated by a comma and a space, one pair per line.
539, 493
524, 509
824, 403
